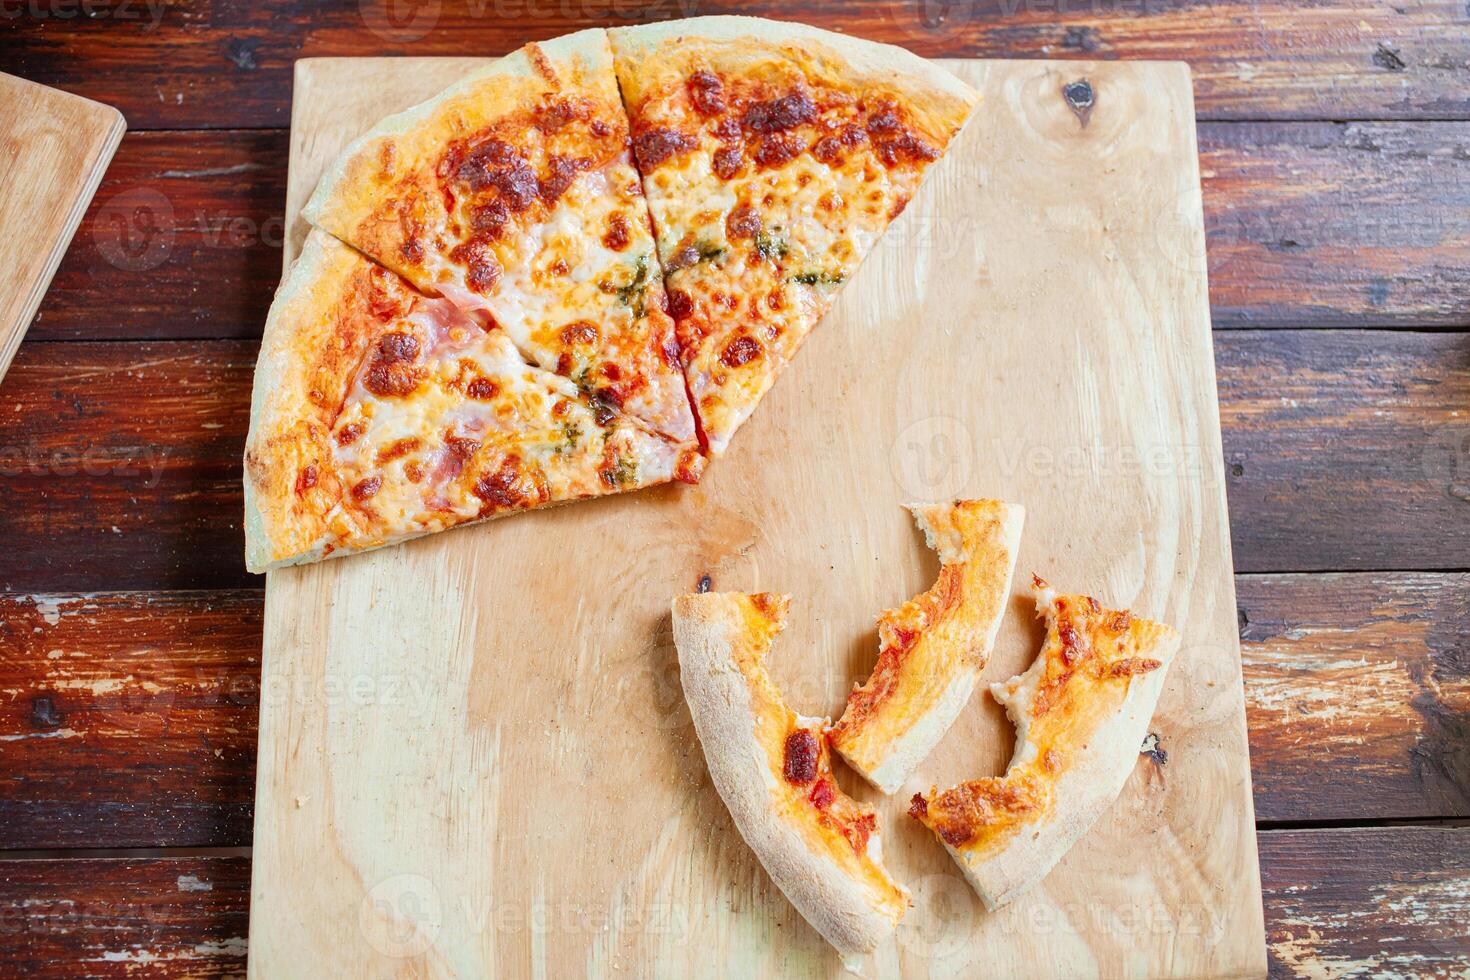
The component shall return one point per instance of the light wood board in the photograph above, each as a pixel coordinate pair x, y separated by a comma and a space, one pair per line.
54, 148
475, 758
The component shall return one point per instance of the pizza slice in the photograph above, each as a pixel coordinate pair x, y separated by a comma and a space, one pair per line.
513, 193
380, 414
772, 768
773, 156
1081, 712
932, 649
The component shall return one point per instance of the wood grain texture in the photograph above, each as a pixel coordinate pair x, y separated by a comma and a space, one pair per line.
1338, 903
120, 466
1338, 224
1357, 694
183, 240
128, 719
1367, 435
1390, 901
53, 149
229, 65
1355, 697
1325, 433
139, 917
1306, 225
493, 633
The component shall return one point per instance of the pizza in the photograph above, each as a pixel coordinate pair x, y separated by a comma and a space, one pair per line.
501, 230
773, 156
1081, 712
772, 767
513, 193
381, 414
932, 649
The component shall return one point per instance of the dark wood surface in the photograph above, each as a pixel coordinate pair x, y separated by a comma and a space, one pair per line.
1335, 158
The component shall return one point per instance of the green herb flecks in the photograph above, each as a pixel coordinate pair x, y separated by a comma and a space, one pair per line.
771, 247
634, 294
622, 474
819, 278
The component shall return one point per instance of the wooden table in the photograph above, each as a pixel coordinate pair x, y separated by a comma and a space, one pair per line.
1335, 151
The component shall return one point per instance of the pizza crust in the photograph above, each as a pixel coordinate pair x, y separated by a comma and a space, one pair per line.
978, 540
849, 58
710, 632
1099, 755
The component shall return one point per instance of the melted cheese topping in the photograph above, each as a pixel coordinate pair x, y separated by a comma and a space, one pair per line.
1077, 683
766, 192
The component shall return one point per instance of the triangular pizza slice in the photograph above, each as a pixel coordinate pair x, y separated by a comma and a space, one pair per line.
932, 649
513, 193
380, 414
773, 156
1081, 712
772, 768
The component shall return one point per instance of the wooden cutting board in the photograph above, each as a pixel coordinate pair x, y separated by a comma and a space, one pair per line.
474, 753
54, 148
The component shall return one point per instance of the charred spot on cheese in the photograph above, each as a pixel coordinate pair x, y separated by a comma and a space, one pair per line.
391, 373
482, 268
653, 146
397, 449
494, 163
306, 479
726, 161
741, 350
1131, 666
489, 220
482, 389
780, 114
617, 236
560, 173
743, 221
905, 148
509, 486
366, 488
680, 305
779, 149
349, 433
706, 93
799, 757
556, 113
579, 333
918, 807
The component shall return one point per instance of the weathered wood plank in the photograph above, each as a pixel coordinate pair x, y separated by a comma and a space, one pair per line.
1311, 224
128, 719
1346, 449
230, 64
1389, 901
1357, 694
124, 917
121, 461
1337, 224
1339, 903
182, 240
120, 465
131, 717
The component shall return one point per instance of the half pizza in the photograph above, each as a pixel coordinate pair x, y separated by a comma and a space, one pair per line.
773, 156
380, 414
772, 768
513, 194
1081, 712
932, 649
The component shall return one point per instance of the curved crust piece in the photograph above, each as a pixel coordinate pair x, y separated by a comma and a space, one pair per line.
773, 156
932, 649
772, 769
513, 193
1081, 712
380, 414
